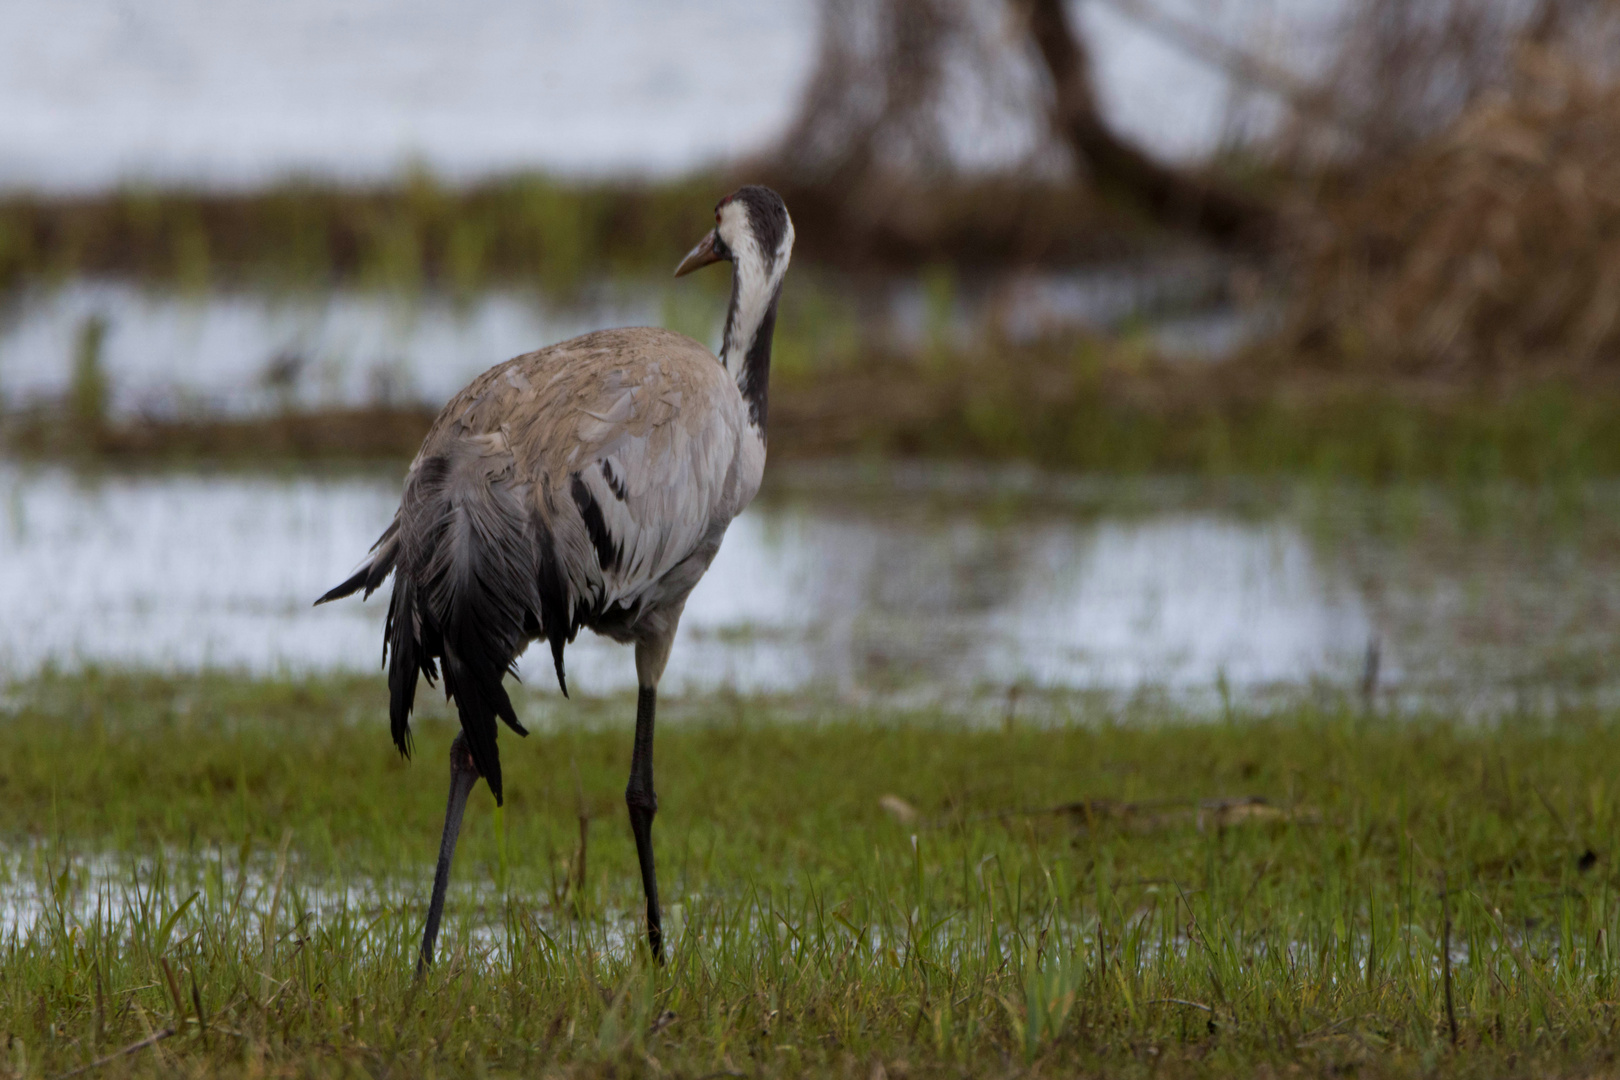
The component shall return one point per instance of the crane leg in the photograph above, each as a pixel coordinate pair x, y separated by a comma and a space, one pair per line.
463, 775
643, 804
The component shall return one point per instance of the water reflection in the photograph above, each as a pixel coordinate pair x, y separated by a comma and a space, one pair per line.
911, 594
924, 591
239, 353
251, 352
186, 572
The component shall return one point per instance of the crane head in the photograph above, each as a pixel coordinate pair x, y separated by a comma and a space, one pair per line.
750, 225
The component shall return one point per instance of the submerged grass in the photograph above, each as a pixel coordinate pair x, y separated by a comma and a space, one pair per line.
1082, 404
848, 891
1077, 404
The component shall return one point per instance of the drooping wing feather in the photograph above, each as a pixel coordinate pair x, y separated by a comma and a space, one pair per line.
467, 574
374, 572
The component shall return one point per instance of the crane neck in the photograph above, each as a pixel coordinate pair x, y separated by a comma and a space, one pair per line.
750, 325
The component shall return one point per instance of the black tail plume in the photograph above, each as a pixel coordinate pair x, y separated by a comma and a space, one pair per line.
480, 697
470, 567
476, 577
409, 644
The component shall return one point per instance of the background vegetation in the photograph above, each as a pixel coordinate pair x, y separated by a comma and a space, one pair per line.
1431, 236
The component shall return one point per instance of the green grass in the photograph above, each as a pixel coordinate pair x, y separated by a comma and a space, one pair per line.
1081, 404
814, 931
525, 229
532, 230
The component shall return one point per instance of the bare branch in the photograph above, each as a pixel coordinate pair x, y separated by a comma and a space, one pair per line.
1170, 196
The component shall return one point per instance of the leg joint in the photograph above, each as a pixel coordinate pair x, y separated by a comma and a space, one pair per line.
638, 799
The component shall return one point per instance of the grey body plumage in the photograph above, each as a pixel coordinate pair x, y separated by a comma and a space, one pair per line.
587, 485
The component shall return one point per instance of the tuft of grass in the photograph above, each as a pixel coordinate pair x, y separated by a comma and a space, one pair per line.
89, 391
240, 867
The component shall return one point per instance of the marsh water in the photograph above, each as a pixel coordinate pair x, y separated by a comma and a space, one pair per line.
900, 582
237, 352
905, 583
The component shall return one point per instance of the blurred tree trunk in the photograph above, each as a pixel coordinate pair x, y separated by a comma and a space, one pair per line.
882, 151
1173, 197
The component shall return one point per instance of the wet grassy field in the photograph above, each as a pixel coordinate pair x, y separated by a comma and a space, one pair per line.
231, 875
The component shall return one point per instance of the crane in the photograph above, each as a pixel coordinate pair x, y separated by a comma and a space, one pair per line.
585, 485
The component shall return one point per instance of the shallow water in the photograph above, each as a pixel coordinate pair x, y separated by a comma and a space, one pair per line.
238, 353
243, 352
917, 584
46, 890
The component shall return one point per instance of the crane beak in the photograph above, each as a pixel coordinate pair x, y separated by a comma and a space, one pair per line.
702, 255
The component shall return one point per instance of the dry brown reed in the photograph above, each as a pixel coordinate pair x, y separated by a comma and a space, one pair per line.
1493, 250
1404, 71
